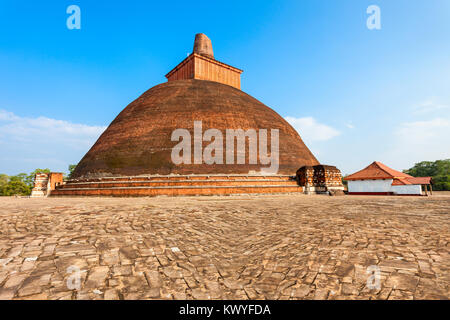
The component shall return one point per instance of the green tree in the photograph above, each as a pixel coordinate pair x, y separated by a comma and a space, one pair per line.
439, 170
71, 168
17, 186
3, 182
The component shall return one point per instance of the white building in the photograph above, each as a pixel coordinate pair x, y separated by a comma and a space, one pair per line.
379, 179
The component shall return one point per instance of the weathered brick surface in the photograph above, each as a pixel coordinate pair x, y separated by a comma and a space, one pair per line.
176, 191
203, 45
55, 179
40, 185
202, 65
203, 68
45, 183
320, 178
176, 186
138, 141
257, 247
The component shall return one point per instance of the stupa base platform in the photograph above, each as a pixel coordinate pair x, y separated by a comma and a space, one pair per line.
186, 185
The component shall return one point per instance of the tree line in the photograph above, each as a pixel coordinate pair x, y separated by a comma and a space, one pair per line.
438, 170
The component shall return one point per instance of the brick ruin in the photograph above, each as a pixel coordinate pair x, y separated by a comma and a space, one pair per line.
45, 183
320, 179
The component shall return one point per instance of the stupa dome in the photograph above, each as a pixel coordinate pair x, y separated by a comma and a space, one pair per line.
198, 134
138, 141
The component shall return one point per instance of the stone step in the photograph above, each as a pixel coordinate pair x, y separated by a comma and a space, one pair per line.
185, 177
176, 190
169, 183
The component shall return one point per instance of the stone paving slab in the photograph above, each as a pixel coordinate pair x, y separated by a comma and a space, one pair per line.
237, 247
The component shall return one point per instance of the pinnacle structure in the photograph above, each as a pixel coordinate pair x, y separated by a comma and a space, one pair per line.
203, 46
202, 65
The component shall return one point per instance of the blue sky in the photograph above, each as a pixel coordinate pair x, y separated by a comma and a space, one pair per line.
355, 95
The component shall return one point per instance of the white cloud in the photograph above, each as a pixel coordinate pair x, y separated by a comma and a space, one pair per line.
310, 130
7, 116
350, 125
17, 128
42, 142
420, 132
429, 106
417, 141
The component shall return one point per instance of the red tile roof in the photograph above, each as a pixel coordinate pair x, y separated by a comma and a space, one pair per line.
419, 180
413, 180
400, 182
377, 171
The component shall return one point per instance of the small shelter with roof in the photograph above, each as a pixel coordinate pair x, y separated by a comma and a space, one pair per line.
379, 179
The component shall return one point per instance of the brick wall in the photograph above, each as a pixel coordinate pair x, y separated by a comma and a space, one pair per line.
45, 183
319, 178
203, 68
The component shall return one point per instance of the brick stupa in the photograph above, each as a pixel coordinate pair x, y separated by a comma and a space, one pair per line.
133, 156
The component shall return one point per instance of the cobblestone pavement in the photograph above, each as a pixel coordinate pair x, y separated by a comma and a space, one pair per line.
240, 247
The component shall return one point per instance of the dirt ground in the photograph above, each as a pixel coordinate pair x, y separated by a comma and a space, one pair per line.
288, 246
